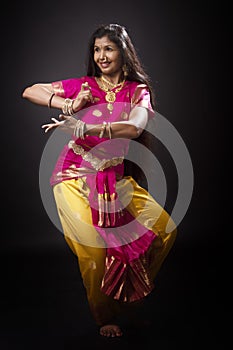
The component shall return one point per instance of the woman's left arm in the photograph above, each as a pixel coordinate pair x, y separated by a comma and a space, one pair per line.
129, 129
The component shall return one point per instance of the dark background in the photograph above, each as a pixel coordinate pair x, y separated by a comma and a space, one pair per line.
182, 46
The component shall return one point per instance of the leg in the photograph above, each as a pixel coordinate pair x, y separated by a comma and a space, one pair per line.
84, 241
150, 214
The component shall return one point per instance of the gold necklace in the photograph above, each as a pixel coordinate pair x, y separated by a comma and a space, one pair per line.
110, 96
108, 82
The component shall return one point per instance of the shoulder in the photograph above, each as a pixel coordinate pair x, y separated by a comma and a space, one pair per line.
136, 86
140, 95
137, 89
70, 87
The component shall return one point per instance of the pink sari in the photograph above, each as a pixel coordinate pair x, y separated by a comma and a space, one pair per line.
126, 240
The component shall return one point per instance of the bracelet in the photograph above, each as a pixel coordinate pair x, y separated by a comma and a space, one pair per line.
102, 130
109, 130
67, 107
50, 99
79, 130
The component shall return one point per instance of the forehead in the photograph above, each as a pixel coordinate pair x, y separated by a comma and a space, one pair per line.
104, 41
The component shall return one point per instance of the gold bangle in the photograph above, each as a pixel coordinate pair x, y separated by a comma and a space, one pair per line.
79, 130
109, 130
71, 108
102, 130
67, 107
50, 99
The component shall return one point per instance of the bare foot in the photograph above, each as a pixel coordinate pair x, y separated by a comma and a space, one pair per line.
110, 330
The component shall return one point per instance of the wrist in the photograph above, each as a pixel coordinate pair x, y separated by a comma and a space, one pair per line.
100, 130
67, 107
76, 105
80, 129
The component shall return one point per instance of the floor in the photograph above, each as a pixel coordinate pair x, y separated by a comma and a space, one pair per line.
43, 304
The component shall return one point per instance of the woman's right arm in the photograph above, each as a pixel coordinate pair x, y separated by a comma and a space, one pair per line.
41, 94
44, 95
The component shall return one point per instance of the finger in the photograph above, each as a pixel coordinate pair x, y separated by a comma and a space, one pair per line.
85, 86
47, 129
55, 120
46, 126
88, 97
91, 98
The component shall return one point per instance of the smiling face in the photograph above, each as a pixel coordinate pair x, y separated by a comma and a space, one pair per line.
107, 56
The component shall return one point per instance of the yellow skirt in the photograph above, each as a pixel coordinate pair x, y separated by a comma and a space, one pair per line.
74, 211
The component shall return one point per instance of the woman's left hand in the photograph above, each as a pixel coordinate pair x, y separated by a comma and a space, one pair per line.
67, 123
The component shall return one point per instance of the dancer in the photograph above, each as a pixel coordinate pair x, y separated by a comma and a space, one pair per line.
111, 223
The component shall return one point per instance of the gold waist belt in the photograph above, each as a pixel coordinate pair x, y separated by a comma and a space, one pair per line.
98, 164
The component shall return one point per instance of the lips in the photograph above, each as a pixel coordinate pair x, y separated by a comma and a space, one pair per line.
104, 65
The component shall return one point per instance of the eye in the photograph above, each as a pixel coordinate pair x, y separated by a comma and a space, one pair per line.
96, 49
109, 48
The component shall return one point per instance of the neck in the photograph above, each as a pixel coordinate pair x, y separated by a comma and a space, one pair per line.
112, 80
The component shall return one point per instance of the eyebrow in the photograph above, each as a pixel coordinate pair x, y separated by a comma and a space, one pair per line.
107, 45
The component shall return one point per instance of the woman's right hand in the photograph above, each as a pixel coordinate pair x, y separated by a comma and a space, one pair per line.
83, 97
66, 123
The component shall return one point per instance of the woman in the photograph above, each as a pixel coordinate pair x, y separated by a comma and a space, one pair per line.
113, 226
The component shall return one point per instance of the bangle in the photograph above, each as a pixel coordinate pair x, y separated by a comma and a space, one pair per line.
50, 99
109, 130
67, 107
102, 130
71, 111
79, 130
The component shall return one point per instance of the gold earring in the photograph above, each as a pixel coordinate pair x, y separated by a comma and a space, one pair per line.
125, 71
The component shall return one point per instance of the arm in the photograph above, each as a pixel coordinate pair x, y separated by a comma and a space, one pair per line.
44, 95
40, 94
130, 129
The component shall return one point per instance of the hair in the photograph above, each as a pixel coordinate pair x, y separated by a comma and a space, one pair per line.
135, 72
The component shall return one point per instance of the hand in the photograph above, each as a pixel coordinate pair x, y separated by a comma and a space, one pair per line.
83, 97
66, 123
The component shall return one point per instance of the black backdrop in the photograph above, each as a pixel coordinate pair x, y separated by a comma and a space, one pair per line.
181, 44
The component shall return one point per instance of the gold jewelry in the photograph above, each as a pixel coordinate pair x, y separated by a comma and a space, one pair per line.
110, 96
109, 130
125, 70
109, 82
67, 107
102, 130
50, 99
79, 129
97, 163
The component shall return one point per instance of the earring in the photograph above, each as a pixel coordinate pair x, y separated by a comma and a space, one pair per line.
125, 70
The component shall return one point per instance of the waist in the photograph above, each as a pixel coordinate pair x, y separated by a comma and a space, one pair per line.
97, 163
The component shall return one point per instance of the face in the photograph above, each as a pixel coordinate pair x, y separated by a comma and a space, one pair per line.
107, 56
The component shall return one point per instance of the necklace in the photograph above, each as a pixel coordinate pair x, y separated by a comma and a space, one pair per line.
108, 82
110, 96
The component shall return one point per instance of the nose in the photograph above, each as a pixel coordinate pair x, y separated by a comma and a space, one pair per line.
102, 55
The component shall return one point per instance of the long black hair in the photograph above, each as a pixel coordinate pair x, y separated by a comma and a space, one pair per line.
135, 72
